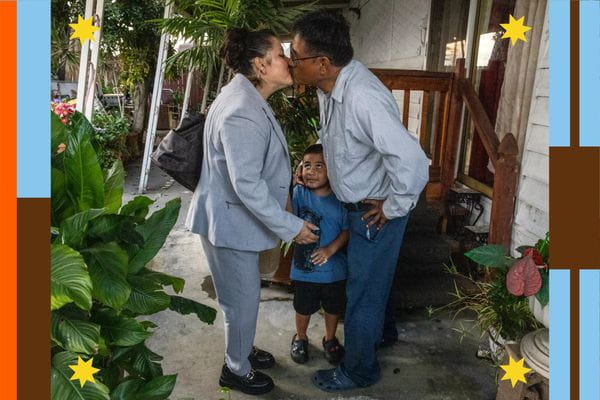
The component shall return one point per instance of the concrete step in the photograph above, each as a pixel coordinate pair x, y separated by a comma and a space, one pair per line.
407, 268
420, 291
426, 248
423, 219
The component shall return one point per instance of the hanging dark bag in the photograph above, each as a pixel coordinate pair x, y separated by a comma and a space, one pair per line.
180, 153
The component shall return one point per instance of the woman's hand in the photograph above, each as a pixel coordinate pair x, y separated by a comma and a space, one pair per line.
321, 255
306, 236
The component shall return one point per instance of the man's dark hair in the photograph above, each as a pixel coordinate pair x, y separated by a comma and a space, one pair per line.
326, 33
314, 149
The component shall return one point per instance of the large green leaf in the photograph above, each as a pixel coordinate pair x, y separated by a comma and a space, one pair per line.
54, 323
145, 362
146, 296
186, 306
158, 388
127, 389
107, 263
74, 228
79, 336
58, 132
490, 255
69, 278
119, 330
164, 279
138, 207
85, 181
59, 199
113, 187
114, 227
155, 231
63, 388
543, 295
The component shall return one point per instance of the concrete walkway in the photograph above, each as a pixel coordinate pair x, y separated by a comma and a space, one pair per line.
429, 362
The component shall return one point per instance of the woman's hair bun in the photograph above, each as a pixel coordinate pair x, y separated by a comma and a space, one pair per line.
234, 47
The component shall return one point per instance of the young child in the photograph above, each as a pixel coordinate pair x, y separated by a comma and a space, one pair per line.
319, 269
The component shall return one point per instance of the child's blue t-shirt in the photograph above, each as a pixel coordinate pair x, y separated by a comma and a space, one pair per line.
331, 217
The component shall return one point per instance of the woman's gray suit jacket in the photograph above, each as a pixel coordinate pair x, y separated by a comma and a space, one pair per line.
244, 185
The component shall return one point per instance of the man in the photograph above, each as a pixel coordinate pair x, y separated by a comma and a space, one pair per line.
376, 168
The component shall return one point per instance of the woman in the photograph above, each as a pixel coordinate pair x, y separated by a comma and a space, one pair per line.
238, 205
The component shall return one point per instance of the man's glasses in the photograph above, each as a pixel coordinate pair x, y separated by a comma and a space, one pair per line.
295, 61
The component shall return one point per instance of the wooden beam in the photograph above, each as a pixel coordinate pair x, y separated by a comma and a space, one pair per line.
450, 148
505, 188
480, 118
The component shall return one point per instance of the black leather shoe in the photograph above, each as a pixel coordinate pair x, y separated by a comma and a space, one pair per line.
260, 359
254, 382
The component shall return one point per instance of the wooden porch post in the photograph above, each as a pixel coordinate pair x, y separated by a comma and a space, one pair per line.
505, 187
450, 147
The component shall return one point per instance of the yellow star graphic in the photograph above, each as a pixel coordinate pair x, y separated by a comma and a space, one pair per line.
84, 29
83, 371
515, 371
515, 29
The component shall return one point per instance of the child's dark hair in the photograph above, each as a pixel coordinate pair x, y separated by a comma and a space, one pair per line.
314, 149
326, 33
241, 46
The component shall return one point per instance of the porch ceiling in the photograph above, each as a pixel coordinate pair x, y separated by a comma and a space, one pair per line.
334, 4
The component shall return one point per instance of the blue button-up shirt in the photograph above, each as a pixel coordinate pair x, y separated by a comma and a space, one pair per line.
368, 152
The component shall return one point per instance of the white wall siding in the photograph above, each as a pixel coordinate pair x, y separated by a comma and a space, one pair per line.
531, 216
392, 34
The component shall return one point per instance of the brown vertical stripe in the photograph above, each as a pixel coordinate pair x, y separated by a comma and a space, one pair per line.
574, 144
574, 349
33, 299
574, 65
574, 193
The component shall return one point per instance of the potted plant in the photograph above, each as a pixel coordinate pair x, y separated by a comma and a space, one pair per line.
502, 304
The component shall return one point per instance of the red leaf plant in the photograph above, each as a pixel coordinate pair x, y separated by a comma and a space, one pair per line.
523, 278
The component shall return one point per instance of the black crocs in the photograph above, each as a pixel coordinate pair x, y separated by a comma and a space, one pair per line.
299, 351
334, 351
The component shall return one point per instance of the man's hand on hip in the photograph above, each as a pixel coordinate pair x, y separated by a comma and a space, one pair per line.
306, 236
375, 216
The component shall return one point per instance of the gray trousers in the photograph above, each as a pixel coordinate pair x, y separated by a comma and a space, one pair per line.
237, 282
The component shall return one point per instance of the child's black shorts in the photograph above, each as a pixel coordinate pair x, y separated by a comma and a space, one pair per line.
310, 296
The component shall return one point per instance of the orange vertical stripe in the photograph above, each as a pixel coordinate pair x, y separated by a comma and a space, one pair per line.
8, 200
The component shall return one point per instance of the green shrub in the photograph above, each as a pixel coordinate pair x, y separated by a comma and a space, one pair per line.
109, 137
100, 285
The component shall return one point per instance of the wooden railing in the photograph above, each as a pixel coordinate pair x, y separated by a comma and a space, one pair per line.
440, 142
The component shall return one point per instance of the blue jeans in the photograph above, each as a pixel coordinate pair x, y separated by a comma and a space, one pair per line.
372, 259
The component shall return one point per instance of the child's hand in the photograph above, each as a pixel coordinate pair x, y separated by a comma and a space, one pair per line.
321, 255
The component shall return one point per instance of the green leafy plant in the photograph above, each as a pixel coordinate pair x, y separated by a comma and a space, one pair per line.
501, 305
527, 275
100, 284
109, 137
299, 118
497, 311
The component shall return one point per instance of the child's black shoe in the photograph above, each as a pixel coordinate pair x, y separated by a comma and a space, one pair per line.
334, 351
299, 351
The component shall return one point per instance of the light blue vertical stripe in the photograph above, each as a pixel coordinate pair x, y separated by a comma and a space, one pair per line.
589, 334
559, 334
589, 39
559, 72
33, 98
